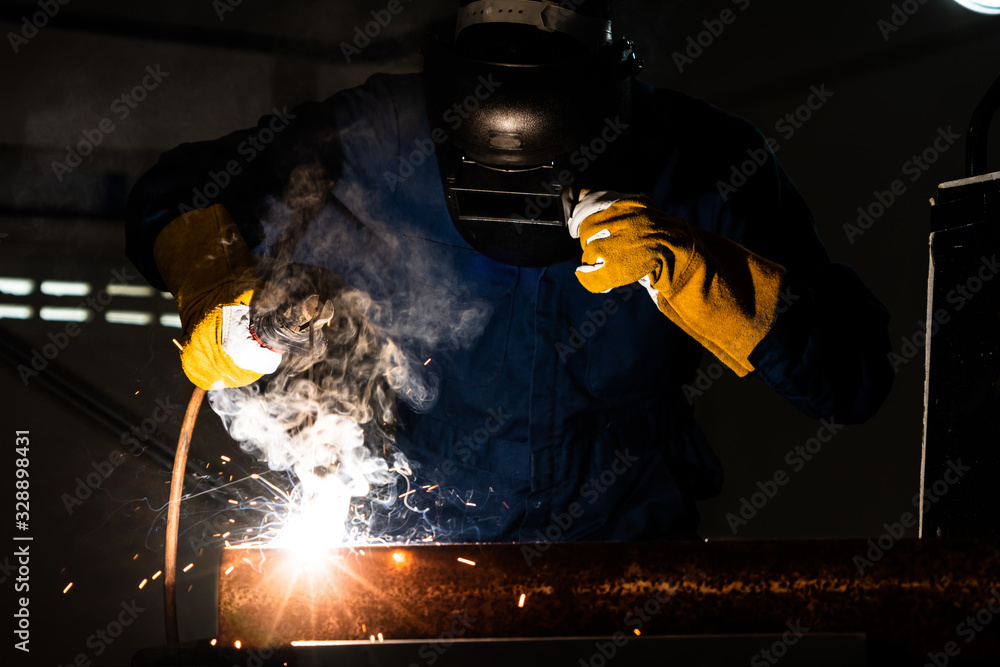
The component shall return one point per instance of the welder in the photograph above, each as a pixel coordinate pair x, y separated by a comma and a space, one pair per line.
583, 206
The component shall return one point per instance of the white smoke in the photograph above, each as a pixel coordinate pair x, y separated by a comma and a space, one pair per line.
331, 425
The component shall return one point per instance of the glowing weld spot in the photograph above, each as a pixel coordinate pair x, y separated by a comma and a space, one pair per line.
466, 561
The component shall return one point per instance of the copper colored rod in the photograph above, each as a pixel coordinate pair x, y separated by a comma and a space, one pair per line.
174, 516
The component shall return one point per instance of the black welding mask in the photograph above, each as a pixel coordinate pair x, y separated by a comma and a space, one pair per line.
527, 103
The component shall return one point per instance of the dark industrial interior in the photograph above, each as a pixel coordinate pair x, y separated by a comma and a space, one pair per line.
884, 93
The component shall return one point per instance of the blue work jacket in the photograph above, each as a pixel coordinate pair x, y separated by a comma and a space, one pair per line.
566, 419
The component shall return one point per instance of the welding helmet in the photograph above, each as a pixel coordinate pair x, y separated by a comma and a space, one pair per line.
515, 96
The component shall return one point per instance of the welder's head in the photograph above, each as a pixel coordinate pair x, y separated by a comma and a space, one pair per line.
517, 87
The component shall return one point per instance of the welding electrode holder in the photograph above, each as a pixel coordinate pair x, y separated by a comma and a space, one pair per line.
295, 329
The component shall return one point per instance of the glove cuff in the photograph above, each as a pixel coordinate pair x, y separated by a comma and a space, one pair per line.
205, 263
724, 296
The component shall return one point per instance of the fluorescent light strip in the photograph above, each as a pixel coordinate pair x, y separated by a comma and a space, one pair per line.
17, 286
128, 317
173, 321
16, 312
65, 288
130, 290
64, 314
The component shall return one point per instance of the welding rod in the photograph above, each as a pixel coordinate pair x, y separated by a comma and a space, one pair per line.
174, 516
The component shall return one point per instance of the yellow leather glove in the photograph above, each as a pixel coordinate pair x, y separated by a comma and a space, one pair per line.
205, 262
717, 291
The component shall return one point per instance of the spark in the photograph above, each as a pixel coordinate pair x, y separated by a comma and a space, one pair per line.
636, 631
432, 488
470, 504
403, 495
68, 586
189, 566
135, 557
238, 643
399, 556
520, 603
179, 346
225, 458
136, 393
234, 502
466, 561
158, 573
230, 569
225, 534
380, 640
372, 638
214, 642
142, 584
427, 362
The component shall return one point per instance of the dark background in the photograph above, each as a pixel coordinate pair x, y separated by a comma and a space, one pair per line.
892, 92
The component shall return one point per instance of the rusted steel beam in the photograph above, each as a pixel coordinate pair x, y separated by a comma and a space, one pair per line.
910, 599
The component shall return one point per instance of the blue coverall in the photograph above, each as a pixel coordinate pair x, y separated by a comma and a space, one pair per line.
565, 419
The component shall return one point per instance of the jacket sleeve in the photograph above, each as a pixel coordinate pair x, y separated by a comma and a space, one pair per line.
294, 156
827, 350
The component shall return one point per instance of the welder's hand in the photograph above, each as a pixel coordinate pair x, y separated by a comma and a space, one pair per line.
205, 262
720, 293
